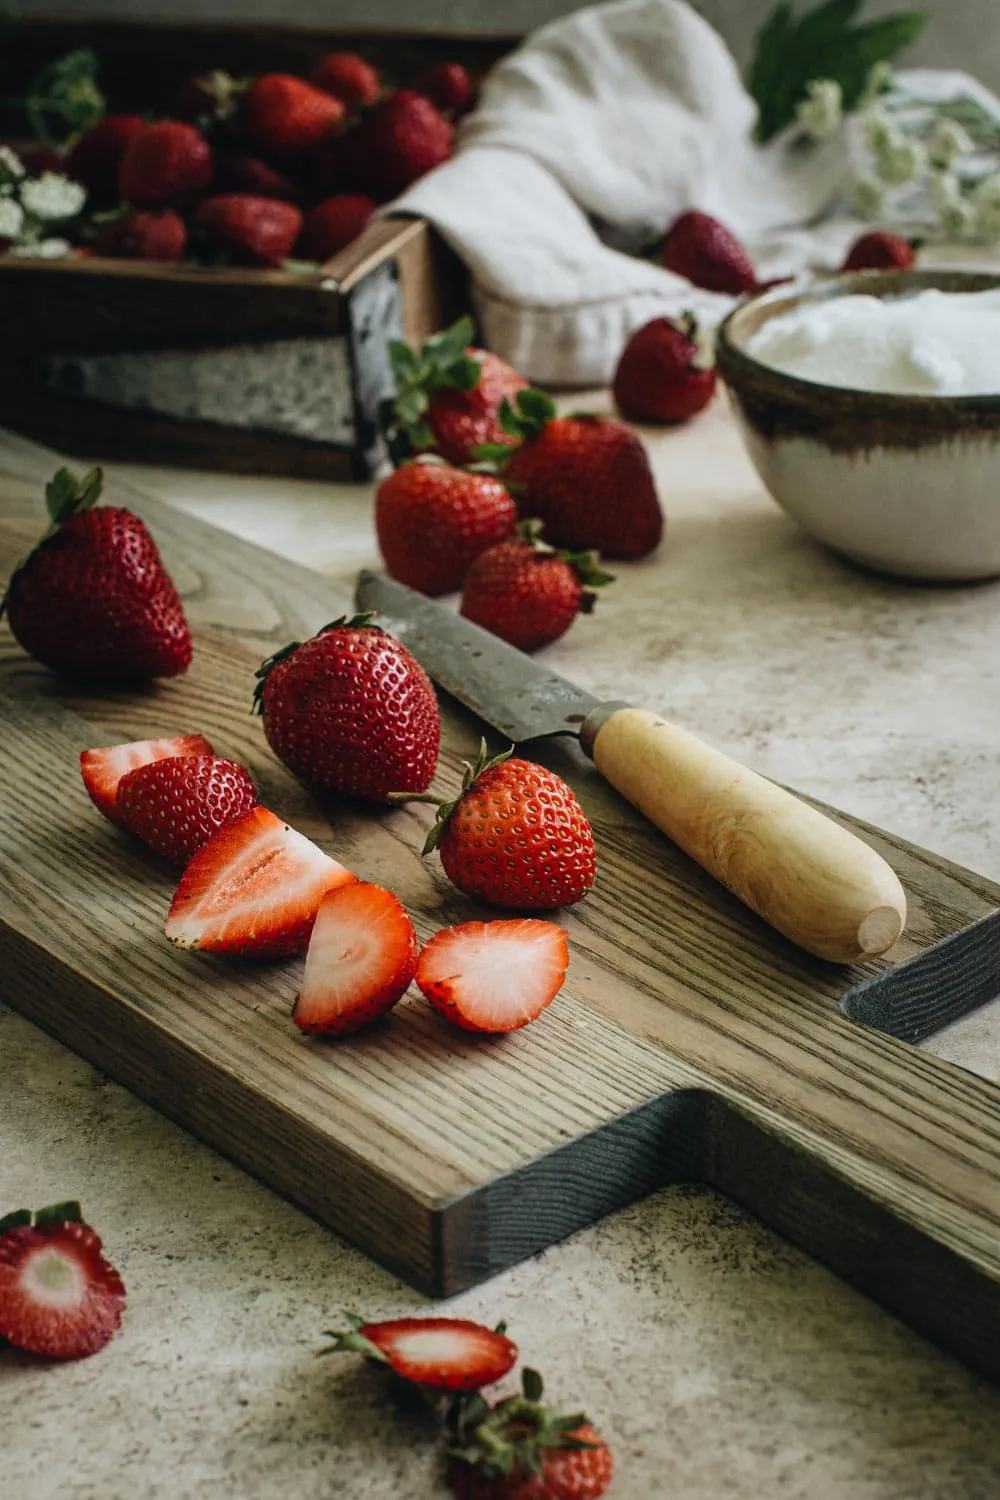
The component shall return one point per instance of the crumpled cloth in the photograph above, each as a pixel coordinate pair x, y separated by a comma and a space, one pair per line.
587, 142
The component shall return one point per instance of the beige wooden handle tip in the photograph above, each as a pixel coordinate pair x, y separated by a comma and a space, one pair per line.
820, 885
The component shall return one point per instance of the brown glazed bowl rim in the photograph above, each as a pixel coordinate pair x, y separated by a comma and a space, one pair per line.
741, 370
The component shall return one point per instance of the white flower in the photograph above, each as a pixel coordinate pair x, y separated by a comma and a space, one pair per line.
958, 220
902, 162
879, 81
11, 219
950, 139
822, 111
867, 198
946, 191
986, 202
50, 249
11, 169
52, 197
880, 133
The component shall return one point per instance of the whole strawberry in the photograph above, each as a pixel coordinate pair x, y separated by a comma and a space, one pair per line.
394, 144
448, 396
881, 251
332, 224
169, 162
143, 235
284, 116
176, 805
449, 87
527, 593
94, 599
520, 1449
434, 520
662, 375
96, 158
709, 255
249, 174
586, 478
515, 836
348, 78
250, 231
352, 710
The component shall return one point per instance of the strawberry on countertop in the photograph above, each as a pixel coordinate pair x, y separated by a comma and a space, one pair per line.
348, 78
253, 890
879, 250
284, 116
175, 805
59, 1297
441, 1354
434, 520
709, 255
169, 162
494, 976
664, 373
94, 599
362, 956
102, 769
251, 230
528, 593
351, 709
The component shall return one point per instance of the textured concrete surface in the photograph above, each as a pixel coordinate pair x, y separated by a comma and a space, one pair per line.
719, 1361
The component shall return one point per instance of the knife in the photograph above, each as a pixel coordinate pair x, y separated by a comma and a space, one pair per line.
820, 885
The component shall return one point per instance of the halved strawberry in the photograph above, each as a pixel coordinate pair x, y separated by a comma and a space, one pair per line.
362, 957
176, 805
494, 976
447, 1354
253, 890
103, 769
58, 1295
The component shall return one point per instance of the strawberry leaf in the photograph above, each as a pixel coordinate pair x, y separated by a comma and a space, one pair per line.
60, 1213
20, 1218
443, 349
532, 1385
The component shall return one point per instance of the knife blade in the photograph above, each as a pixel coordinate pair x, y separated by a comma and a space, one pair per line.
812, 879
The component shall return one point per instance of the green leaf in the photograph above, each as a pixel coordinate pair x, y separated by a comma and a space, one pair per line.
538, 407
63, 98
532, 1385
21, 1217
411, 405
881, 41
509, 421
463, 375
60, 1213
402, 362
443, 349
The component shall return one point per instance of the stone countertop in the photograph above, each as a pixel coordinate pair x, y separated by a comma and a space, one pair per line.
719, 1361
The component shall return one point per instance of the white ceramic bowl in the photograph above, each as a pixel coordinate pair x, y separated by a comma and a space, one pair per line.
908, 485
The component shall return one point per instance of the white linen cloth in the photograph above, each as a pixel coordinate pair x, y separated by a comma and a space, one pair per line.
587, 142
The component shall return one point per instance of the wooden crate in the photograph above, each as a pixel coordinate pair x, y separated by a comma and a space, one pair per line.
243, 370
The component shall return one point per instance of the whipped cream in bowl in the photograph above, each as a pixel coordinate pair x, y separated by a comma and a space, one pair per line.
870, 407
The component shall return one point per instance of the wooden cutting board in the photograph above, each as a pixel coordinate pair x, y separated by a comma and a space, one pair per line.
690, 1042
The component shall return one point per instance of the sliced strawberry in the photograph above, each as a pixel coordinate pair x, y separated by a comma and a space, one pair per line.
447, 1354
58, 1295
176, 805
362, 957
103, 769
494, 976
253, 890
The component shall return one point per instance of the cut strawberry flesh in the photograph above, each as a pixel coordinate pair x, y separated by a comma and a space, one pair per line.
253, 890
450, 1354
494, 976
58, 1295
103, 769
362, 956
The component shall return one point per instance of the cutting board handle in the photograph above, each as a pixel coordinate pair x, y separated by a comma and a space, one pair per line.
810, 878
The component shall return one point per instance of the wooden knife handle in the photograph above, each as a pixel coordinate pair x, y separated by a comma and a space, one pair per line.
820, 885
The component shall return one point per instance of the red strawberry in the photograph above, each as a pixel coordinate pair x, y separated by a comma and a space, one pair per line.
494, 976
449, 87
348, 78
94, 598
103, 769
96, 158
522, 1450
332, 224
169, 162
253, 231
448, 396
207, 98
141, 235
444, 1354
285, 116
881, 251
709, 255
59, 1297
352, 710
394, 144
433, 521
176, 805
586, 478
514, 836
662, 376
253, 890
248, 174
362, 957
527, 593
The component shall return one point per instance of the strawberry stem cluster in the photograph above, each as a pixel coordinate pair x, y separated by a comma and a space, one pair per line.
439, 364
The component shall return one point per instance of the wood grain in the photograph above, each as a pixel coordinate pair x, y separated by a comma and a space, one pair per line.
691, 1041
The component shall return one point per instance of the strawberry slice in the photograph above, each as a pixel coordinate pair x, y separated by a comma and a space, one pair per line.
494, 976
447, 1354
362, 957
253, 890
58, 1295
176, 805
103, 769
